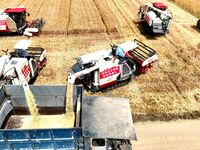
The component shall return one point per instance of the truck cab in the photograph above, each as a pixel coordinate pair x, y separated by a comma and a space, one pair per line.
112, 129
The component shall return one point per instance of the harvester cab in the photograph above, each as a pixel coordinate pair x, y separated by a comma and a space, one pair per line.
98, 71
13, 20
24, 62
156, 16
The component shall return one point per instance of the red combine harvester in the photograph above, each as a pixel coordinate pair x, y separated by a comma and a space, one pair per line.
97, 70
13, 20
156, 16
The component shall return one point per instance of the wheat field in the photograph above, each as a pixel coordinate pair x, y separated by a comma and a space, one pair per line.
170, 90
191, 6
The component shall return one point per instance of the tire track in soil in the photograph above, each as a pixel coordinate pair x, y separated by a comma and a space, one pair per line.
69, 18
124, 16
56, 20
102, 18
20, 2
40, 8
89, 20
108, 19
13, 3
33, 8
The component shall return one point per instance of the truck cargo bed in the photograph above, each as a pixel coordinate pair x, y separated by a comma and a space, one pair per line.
20, 130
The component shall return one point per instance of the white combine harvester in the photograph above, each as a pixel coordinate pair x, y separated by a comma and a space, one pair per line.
23, 64
97, 70
13, 20
156, 16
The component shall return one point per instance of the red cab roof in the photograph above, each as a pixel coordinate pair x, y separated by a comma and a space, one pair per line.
159, 5
15, 10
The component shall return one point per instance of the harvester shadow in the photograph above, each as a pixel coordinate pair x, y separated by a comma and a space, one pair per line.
145, 30
9, 34
32, 81
195, 28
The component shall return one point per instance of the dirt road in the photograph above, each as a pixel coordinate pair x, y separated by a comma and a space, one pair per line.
170, 90
175, 135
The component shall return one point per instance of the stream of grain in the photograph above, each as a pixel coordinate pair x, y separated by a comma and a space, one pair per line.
31, 102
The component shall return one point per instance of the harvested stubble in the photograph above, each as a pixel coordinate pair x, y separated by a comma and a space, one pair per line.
114, 21
191, 6
84, 18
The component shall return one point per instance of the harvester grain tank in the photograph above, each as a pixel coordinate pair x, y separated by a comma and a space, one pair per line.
23, 64
13, 20
156, 16
100, 122
97, 70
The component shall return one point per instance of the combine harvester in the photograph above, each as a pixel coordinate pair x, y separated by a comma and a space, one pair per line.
100, 122
97, 71
156, 16
24, 63
13, 20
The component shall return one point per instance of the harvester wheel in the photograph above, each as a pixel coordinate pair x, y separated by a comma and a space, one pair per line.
20, 32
